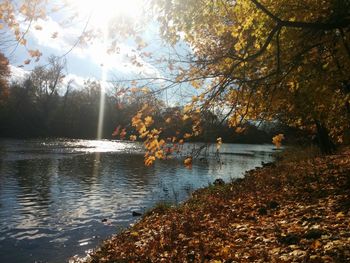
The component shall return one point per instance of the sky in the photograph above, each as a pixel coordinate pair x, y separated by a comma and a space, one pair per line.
56, 36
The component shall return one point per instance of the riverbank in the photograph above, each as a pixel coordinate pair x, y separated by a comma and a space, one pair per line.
296, 211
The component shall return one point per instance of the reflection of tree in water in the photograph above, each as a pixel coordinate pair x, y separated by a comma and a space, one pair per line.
110, 170
2, 153
33, 193
128, 170
34, 177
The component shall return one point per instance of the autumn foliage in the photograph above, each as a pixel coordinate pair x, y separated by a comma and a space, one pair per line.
285, 61
267, 60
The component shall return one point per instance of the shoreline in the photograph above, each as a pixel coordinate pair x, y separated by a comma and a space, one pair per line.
295, 211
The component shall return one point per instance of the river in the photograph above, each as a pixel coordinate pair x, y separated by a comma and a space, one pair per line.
60, 198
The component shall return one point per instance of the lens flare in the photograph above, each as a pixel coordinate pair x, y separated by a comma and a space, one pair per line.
102, 11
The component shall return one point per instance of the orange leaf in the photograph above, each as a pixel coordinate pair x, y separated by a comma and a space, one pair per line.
188, 161
122, 134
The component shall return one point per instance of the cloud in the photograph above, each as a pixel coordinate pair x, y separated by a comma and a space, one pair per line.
96, 52
49, 33
77, 82
18, 74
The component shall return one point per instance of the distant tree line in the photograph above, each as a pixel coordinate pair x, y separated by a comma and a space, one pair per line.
43, 105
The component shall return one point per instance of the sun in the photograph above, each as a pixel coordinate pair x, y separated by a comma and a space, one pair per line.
102, 11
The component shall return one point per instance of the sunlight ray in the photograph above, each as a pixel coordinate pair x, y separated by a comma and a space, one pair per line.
103, 85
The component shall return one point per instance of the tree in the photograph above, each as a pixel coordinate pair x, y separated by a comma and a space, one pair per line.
4, 74
47, 79
267, 60
4, 91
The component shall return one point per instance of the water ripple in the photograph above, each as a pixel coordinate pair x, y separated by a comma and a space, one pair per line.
61, 197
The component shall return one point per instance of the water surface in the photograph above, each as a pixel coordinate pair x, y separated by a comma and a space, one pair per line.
54, 194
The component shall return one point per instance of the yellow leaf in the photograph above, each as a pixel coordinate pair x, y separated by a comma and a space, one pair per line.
340, 215
134, 234
277, 140
142, 128
159, 154
156, 132
161, 143
145, 90
148, 121
195, 84
187, 135
194, 98
144, 134
133, 137
239, 130
185, 117
179, 78
188, 108
149, 160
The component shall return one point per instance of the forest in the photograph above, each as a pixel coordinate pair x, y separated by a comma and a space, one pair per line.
43, 106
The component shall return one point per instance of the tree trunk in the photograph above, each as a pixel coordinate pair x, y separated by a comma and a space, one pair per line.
347, 91
324, 141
